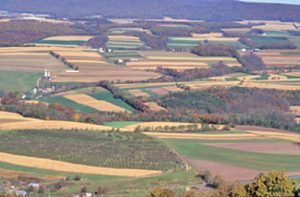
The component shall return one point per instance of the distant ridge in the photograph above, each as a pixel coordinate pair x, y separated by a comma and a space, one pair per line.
216, 10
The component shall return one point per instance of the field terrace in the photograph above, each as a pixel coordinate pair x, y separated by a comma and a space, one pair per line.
177, 60
124, 42
280, 58
213, 38
92, 66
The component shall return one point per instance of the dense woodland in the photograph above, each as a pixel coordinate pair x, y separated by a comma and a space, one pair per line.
231, 106
18, 32
191, 9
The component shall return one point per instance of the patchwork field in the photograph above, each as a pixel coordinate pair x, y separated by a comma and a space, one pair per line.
48, 164
92, 66
280, 58
214, 38
100, 105
237, 158
177, 60
124, 42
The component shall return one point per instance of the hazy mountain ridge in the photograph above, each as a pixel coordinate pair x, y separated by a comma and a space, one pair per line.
192, 9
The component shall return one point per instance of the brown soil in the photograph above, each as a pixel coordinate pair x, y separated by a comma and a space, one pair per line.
262, 147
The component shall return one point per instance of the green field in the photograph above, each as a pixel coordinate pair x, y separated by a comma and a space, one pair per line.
59, 42
195, 149
109, 97
18, 80
68, 103
188, 44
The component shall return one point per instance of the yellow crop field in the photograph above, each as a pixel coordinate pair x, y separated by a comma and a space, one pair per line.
209, 35
163, 63
138, 93
48, 164
86, 61
15, 174
13, 121
70, 38
9, 115
173, 89
153, 106
202, 39
122, 37
94, 103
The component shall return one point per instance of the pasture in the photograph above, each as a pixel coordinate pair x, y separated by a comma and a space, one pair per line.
18, 80
237, 158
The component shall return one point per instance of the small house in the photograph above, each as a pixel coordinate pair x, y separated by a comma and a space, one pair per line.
20, 193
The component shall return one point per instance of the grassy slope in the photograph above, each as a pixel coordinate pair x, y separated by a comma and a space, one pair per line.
68, 103
261, 161
18, 80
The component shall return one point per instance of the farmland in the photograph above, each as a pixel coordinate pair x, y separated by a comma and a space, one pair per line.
69, 146
132, 105
238, 163
124, 42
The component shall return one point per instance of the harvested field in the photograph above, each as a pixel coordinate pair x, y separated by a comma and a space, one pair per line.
209, 35
283, 58
94, 103
229, 172
29, 62
286, 136
286, 148
43, 124
92, 68
5, 173
160, 91
19, 122
243, 136
153, 106
173, 89
138, 93
72, 168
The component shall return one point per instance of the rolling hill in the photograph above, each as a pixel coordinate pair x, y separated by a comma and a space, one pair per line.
219, 10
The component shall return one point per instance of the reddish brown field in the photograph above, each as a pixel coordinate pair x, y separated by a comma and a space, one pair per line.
229, 172
287, 148
160, 91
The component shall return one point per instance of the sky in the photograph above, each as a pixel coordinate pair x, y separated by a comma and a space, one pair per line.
275, 1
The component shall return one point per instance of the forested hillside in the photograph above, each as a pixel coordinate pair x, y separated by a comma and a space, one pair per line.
202, 9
